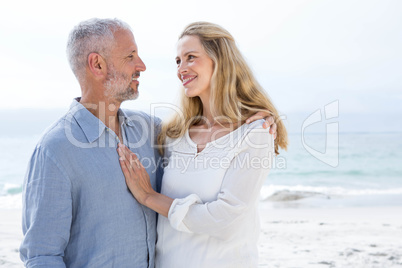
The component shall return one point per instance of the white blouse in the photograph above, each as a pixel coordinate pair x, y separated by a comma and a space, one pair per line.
213, 221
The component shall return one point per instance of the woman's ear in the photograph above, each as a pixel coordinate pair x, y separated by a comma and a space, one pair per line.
97, 65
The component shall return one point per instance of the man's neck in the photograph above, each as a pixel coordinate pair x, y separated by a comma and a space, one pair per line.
106, 111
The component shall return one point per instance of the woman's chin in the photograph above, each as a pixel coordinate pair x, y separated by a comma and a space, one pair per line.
189, 93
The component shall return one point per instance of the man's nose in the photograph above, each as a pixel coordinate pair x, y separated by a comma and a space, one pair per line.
140, 66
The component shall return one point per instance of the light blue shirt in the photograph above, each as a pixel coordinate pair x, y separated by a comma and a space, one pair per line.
77, 209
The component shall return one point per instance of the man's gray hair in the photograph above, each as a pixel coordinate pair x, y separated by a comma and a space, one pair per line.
93, 35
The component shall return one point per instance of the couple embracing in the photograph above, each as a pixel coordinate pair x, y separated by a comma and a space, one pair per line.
97, 193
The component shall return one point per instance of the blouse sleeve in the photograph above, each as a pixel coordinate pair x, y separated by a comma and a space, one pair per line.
239, 191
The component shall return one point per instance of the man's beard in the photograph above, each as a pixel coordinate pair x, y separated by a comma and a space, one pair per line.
118, 86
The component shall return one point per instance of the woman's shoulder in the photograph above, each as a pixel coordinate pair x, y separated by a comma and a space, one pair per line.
253, 127
257, 124
256, 136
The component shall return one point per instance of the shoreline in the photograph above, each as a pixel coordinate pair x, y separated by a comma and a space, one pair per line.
302, 199
291, 237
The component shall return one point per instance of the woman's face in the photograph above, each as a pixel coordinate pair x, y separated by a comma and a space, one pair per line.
194, 67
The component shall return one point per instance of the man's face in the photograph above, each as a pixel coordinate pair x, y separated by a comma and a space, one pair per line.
124, 67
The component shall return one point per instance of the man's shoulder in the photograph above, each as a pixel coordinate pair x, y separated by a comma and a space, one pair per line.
55, 134
136, 115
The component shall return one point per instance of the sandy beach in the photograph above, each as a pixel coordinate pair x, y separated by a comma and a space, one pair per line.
292, 237
10, 237
355, 237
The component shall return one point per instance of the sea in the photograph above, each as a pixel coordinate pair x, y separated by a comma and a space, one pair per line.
317, 170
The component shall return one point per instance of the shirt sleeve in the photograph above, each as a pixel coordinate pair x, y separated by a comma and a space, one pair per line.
47, 212
240, 190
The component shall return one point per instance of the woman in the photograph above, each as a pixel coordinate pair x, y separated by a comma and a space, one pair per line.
217, 163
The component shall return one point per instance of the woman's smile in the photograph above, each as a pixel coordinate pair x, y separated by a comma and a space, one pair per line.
188, 79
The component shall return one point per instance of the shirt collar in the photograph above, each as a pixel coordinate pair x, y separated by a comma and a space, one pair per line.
90, 124
92, 127
126, 119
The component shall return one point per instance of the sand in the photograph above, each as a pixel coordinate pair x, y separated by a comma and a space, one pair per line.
291, 237
10, 237
331, 237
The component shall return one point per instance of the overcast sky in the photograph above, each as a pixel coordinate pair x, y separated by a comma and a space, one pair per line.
306, 54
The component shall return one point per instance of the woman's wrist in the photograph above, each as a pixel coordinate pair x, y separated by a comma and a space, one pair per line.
157, 202
146, 200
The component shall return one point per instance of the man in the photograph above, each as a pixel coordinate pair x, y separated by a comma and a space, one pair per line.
77, 209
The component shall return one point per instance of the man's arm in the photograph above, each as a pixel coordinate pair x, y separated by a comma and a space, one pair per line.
269, 121
47, 212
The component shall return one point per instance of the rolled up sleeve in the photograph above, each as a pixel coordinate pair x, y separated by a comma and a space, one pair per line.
47, 212
179, 209
239, 191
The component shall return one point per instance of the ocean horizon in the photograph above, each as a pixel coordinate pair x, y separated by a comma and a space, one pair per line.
356, 169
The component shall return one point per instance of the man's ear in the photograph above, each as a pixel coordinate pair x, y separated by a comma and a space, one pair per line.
97, 65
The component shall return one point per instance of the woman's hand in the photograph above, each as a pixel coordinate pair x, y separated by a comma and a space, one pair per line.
137, 178
269, 121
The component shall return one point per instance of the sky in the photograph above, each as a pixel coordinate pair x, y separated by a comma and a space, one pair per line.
306, 54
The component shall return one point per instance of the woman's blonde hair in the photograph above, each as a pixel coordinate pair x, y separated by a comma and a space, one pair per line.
235, 93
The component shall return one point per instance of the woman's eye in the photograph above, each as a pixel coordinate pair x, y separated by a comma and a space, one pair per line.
177, 62
190, 57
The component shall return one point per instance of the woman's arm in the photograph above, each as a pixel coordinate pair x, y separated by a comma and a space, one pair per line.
138, 182
240, 189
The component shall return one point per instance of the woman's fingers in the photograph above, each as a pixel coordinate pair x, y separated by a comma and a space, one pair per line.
125, 162
130, 160
126, 154
137, 178
134, 161
126, 168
